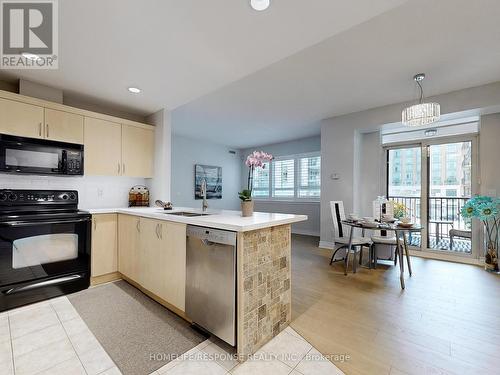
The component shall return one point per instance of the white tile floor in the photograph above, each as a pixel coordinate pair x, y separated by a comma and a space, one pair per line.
51, 338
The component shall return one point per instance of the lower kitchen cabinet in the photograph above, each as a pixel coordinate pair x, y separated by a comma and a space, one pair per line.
129, 228
153, 254
104, 255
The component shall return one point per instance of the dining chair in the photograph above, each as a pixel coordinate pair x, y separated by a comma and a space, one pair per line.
382, 239
341, 236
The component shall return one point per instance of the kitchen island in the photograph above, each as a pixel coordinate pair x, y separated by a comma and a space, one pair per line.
263, 270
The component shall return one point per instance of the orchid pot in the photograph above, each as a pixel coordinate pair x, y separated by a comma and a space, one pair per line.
256, 159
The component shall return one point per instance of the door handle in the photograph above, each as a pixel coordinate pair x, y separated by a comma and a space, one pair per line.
50, 222
47, 130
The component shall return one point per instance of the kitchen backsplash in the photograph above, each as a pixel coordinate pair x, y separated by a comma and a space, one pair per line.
94, 191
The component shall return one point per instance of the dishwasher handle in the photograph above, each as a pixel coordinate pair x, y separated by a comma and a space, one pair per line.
210, 236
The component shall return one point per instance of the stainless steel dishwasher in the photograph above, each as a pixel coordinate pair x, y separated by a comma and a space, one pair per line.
211, 281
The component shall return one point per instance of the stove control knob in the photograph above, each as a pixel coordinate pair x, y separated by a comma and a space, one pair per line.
12, 197
65, 197
72, 196
3, 197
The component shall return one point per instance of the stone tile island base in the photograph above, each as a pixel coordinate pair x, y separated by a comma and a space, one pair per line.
263, 287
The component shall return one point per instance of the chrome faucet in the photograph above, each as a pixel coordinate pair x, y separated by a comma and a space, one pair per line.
204, 204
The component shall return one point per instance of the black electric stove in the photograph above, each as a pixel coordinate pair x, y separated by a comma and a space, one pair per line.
44, 246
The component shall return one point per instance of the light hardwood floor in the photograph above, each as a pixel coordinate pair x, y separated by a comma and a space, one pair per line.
445, 322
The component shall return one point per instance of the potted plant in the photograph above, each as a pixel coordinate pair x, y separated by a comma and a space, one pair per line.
256, 159
486, 209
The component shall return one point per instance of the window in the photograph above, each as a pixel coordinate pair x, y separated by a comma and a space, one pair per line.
290, 177
309, 177
284, 178
261, 181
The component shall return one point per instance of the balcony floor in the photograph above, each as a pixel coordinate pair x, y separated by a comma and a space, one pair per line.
460, 245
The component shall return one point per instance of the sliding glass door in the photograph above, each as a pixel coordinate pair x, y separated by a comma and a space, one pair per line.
432, 180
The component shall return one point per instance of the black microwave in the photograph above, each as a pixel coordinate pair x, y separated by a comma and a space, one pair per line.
40, 156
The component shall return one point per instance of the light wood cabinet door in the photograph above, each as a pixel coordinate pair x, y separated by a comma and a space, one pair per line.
104, 253
102, 142
24, 120
137, 151
129, 247
173, 237
63, 126
153, 256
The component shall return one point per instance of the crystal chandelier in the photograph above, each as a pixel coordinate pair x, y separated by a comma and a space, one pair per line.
422, 113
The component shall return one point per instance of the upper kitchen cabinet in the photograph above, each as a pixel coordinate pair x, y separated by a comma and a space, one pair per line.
137, 151
102, 142
63, 126
21, 119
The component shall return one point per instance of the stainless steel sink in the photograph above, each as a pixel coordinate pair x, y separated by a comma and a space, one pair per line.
186, 213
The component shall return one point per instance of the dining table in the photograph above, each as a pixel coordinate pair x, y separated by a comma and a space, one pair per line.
400, 231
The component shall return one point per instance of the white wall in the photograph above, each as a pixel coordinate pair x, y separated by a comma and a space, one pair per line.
489, 154
186, 152
311, 209
93, 191
341, 143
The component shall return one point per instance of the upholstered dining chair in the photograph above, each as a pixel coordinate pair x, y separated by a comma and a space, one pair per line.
341, 237
383, 246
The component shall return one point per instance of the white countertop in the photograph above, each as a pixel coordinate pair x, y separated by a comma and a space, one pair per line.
220, 219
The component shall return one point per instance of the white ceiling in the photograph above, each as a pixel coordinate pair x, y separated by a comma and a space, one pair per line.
179, 50
456, 42
244, 78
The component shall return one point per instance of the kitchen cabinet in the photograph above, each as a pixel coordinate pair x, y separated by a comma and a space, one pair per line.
63, 126
21, 119
129, 249
104, 255
163, 260
137, 151
102, 142
153, 254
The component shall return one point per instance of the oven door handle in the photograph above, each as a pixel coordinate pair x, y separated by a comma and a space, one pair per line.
59, 280
33, 223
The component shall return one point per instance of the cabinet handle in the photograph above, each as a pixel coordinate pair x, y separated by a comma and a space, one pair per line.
138, 226
123, 168
157, 234
161, 231
47, 130
95, 224
118, 168
40, 129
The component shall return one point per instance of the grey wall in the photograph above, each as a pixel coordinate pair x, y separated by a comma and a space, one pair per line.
342, 141
186, 152
489, 154
311, 209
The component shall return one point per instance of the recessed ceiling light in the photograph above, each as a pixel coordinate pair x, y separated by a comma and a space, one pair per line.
30, 56
260, 4
134, 90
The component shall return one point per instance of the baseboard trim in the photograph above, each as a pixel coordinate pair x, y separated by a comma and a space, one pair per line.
101, 279
305, 232
326, 245
445, 257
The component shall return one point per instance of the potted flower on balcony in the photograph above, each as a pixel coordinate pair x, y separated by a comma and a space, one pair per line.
487, 210
256, 159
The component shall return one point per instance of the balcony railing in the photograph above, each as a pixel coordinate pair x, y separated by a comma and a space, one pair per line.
443, 215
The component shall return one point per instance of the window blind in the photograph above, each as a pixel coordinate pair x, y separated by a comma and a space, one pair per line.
309, 177
284, 178
261, 181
